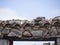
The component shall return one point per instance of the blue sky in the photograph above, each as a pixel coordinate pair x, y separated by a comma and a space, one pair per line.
31, 42
29, 9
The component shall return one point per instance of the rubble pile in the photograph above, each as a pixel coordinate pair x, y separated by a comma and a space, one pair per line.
36, 28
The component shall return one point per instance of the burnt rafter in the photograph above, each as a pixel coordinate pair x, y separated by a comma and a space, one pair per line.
36, 28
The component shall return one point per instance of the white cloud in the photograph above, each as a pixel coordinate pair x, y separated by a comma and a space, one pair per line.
9, 14
56, 11
52, 13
